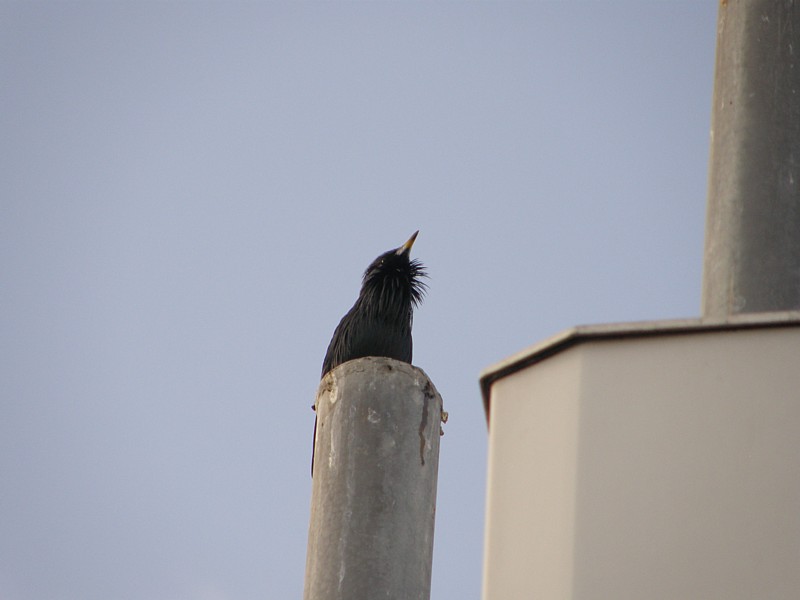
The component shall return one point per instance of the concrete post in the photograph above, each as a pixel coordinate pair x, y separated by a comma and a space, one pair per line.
373, 495
752, 253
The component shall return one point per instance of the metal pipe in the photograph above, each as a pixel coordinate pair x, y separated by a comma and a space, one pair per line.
373, 496
752, 248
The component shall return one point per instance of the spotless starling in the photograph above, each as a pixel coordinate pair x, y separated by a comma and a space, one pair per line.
379, 324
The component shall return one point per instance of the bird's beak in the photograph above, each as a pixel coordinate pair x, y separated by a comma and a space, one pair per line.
406, 248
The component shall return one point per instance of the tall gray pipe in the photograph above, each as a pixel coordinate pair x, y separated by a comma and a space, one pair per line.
373, 496
752, 251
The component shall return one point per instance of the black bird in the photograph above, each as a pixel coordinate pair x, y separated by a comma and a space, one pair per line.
379, 324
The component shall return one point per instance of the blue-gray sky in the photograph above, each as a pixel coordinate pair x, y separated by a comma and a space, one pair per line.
189, 193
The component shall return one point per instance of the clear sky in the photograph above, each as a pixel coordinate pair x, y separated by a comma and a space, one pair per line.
189, 193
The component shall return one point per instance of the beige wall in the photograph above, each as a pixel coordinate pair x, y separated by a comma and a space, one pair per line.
658, 467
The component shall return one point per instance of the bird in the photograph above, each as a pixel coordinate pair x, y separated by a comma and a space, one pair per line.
379, 323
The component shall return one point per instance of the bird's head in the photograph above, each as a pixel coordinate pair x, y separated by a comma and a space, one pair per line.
394, 278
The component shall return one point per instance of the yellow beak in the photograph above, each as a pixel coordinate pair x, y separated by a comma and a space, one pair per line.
407, 246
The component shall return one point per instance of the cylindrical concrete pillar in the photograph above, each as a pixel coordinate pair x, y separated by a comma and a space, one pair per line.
373, 494
752, 251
